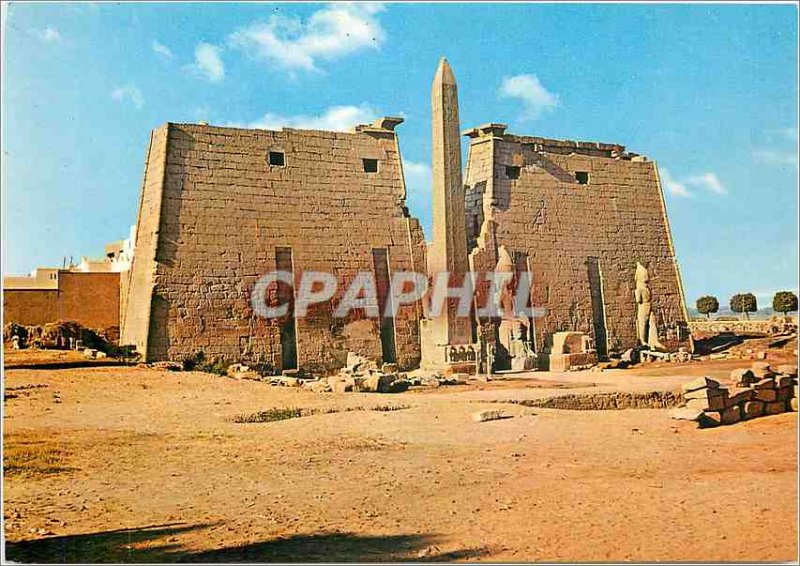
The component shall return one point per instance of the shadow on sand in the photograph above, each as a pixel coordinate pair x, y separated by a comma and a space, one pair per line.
158, 543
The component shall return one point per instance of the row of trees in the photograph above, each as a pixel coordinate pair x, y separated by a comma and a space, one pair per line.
783, 302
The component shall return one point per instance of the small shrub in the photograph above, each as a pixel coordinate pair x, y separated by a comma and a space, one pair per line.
217, 367
192, 361
272, 415
284, 413
199, 362
389, 408
34, 459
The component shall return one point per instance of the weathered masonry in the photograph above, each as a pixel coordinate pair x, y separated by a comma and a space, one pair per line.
577, 217
221, 207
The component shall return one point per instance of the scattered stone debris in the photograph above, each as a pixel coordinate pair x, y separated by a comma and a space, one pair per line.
166, 366
241, 371
681, 356
63, 334
757, 391
363, 375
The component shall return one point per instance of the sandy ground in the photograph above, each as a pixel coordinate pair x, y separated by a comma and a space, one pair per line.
138, 465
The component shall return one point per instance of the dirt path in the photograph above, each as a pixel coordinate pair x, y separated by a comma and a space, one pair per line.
130, 464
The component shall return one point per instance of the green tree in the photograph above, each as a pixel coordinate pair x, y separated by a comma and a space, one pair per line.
744, 303
707, 304
784, 301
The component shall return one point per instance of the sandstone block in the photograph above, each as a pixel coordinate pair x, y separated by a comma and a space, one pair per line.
710, 419
706, 393
783, 381
685, 414
766, 383
341, 384
784, 393
377, 383
731, 415
742, 376
738, 396
398, 386
752, 409
321, 386
766, 395
762, 370
700, 383
715, 403
775, 408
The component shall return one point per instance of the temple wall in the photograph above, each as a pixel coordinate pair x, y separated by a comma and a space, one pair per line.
617, 219
224, 210
136, 288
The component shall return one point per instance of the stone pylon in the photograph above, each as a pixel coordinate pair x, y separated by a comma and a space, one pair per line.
448, 252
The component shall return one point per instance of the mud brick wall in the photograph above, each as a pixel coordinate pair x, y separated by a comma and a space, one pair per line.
619, 217
90, 299
30, 307
213, 213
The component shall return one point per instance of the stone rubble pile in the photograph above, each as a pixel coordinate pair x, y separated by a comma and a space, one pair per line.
760, 390
360, 374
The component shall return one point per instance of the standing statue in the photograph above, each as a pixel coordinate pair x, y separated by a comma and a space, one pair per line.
646, 328
514, 329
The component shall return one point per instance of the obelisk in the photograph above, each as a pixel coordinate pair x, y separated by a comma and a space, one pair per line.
448, 252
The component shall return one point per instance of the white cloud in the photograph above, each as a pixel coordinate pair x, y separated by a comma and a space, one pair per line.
129, 92
335, 31
418, 177
536, 99
50, 35
335, 118
790, 134
776, 157
162, 49
208, 63
708, 181
672, 185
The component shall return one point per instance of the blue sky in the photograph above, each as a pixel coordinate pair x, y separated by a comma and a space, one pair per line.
708, 91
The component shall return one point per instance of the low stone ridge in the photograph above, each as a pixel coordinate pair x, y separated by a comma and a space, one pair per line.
765, 393
606, 401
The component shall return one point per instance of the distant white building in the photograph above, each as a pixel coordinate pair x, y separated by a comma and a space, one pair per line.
39, 278
118, 258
